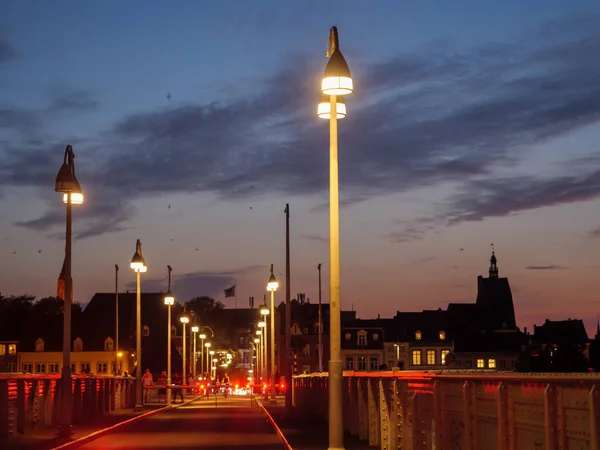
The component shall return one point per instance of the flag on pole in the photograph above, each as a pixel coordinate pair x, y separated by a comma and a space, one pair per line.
230, 292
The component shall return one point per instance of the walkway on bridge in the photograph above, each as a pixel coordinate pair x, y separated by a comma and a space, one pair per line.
234, 423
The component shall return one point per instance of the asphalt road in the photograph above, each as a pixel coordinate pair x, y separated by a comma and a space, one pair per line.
233, 424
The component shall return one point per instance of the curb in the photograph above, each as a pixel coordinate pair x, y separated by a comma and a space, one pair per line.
100, 433
274, 425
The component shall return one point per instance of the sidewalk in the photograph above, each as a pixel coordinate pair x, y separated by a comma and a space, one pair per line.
46, 438
306, 433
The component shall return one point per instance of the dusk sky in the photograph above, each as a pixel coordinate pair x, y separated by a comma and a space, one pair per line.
472, 123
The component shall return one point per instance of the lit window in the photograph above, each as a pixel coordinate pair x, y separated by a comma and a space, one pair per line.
444, 353
442, 335
416, 357
306, 350
349, 363
362, 363
2, 349
146, 330
418, 335
431, 357
480, 363
173, 330
12, 349
108, 345
492, 363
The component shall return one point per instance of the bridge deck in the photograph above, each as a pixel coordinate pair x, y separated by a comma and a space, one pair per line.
234, 423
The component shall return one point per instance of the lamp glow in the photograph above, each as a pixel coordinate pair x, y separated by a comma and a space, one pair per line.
195, 329
169, 299
184, 319
324, 108
202, 336
264, 310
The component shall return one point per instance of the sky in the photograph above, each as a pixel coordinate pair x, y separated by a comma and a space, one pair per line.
193, 123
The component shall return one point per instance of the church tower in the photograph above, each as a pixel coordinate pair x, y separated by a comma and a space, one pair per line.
493, 266
494, 300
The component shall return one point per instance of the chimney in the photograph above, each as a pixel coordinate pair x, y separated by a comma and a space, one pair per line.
378, 316
525, 330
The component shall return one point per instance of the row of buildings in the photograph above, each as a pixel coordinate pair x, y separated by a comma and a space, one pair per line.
479, 335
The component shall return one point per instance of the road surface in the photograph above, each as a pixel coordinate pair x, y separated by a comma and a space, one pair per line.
233, 424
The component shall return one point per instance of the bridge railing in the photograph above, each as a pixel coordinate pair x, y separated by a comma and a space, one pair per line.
29, 402
467, 409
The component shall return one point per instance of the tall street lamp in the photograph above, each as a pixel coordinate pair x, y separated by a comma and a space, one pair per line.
67, 183
272, 286
255, 365
207, 345
259, 359
184, 319
195, 330
169, 301
202, 337
212, 360
138, 265
336, 82
117, 368
320, 324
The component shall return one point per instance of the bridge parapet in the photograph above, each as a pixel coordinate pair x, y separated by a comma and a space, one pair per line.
29, 402
462, 409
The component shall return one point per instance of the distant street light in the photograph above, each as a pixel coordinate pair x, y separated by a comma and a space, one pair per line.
184, 320
169, 301
272, 286
195, 330
207, 345
138, 265
202, 337
337, 81
66, 182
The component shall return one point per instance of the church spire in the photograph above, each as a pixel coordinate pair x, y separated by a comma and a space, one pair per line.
493, 265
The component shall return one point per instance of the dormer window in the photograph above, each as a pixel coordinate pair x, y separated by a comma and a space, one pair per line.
78, 345
39, 345
361, 338
173, 330
442, 335
418, 335
109, 345
296, 330
146, 330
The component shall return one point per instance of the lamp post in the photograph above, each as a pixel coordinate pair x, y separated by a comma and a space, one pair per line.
67, 183
336, 82
320, 324
195, 330
259, 333
169, 301
202, 337
138, 265
212, 360
256, 349
272, 286
207, 345
117, 368
184, 319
